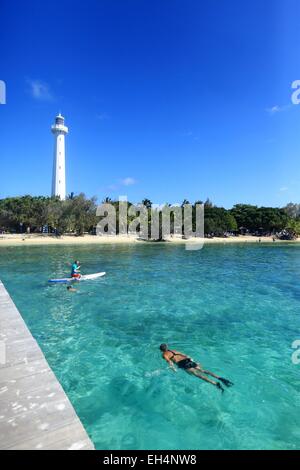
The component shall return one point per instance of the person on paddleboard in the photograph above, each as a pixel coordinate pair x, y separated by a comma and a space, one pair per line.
76, 270
186, 363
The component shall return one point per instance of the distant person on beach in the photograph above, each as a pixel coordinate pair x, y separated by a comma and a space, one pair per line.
71, 289
76, 270
186, 363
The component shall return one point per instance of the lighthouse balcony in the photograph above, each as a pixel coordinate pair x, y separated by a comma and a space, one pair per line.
57, 128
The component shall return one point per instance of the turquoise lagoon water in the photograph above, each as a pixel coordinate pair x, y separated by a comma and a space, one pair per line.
234, 308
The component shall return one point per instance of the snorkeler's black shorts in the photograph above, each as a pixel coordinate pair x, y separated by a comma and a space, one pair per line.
186, 364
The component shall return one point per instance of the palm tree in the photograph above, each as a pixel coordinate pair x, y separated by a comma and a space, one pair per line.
146, 202
107, 200
185, 202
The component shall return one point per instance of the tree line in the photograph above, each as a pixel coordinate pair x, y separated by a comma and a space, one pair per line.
77, 214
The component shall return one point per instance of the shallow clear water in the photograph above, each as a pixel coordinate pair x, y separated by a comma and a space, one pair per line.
234, 308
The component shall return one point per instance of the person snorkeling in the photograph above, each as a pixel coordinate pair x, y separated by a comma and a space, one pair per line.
71, 289
75, 272
191, 367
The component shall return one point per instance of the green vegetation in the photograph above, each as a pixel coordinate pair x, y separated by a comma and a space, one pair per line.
218, 220
265, 219
78, 215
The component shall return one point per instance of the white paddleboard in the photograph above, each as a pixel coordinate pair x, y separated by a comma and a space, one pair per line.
84, 277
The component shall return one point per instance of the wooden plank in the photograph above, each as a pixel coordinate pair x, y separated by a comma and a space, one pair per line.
35, 412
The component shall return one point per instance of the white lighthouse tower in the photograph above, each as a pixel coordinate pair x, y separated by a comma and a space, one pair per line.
59, 164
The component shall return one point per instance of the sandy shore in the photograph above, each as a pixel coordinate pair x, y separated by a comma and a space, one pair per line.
24, 240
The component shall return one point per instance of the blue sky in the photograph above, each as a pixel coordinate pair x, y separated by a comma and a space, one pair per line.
165, 99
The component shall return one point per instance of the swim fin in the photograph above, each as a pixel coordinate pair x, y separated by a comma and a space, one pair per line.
218, 385
226, 382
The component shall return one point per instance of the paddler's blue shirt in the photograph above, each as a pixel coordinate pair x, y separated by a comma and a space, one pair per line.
74, 269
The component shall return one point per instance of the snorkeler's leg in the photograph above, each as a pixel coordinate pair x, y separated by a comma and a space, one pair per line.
207, 372
197, 373
224, 381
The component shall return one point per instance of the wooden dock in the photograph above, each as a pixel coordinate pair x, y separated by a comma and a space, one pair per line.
35, 412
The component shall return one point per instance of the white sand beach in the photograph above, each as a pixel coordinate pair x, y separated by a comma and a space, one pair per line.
37, 239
